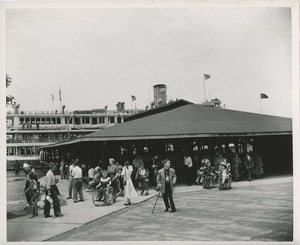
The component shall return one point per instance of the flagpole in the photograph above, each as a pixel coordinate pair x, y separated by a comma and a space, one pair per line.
204, 87
52, 102
59, 99
149, 96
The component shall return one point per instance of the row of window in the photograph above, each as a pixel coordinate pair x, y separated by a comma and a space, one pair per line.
15, 151
70, 120
43, 120
92, 120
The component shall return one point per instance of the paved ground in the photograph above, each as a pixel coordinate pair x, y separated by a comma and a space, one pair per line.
261, 210
75, 215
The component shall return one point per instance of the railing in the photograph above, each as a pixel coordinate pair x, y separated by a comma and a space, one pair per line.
40, 140
41, 127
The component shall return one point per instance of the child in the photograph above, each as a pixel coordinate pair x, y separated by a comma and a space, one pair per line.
200, 172
105, 181
224, 172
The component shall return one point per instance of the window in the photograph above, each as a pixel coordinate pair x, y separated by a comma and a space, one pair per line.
77, 120
53, 120
101, 120
111, 120
85, 120
119, 119
94, 120
47, 120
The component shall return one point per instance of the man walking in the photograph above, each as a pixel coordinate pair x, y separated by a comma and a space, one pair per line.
71, 179
166, 179
136, 164
51, 193
62, 170
189, 164
17, 168
249, 164
77, 174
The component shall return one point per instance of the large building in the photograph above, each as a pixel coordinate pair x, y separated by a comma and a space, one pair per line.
180, 126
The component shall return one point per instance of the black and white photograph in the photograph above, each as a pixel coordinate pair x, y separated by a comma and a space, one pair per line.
150, 121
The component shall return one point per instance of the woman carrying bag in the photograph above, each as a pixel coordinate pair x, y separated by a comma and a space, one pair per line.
142, 175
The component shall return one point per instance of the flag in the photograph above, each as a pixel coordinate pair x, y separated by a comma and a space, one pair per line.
264, 96
133, 98
52, 96
206, 76
59, 93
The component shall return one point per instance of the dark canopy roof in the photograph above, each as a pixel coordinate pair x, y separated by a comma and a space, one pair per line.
192, 121
195, 121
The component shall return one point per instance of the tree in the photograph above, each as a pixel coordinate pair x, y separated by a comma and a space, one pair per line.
10, 100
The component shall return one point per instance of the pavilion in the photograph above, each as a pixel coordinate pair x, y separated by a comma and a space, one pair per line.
182, 125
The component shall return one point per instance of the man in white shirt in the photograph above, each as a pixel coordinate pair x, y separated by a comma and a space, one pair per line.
51, 190
189, 164
71, 179
77, 174
91, 173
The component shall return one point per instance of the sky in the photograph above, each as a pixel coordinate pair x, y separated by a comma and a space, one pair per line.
102, 56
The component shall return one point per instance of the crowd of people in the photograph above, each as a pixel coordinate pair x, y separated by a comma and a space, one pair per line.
234, 167
138, 174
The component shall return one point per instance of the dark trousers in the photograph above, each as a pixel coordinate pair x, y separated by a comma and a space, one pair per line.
121, 183
78, 189
56, 205
71, 185
134, 181
167, 196
249, 173
189, 176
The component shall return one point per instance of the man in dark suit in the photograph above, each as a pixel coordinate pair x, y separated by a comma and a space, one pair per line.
249, 164
166, 179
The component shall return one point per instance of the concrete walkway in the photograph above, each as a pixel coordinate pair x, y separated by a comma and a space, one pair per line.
75, 215
79, 214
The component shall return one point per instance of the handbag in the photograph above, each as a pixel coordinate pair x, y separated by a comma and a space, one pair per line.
49, 199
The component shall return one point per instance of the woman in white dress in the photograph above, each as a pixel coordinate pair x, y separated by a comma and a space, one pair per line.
129, 190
